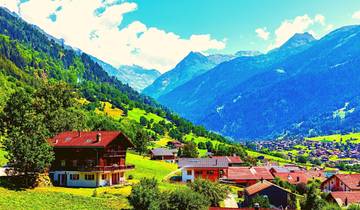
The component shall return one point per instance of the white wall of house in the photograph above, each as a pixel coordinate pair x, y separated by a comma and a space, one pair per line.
184, 175
98, 180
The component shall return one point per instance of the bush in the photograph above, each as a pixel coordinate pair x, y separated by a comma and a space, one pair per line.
186, 199
263, 201
354, 207
331, 206
145, 194
214, 191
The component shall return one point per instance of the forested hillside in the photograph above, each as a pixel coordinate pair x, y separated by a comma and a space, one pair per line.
33, 62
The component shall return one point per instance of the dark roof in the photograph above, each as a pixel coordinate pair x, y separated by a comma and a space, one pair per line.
346, 196
86, 139
203, 163
161, 152
249, 173
262, 185
229, 159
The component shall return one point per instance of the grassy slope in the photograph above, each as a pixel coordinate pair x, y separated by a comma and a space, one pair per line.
48, 199
355, 137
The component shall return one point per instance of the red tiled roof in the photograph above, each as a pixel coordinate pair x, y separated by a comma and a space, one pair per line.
352, 181
293, 177
255, 188
249, 173
346, 196
86, 139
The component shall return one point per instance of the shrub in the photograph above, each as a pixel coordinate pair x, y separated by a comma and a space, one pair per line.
214, 191
186, 199
145, 194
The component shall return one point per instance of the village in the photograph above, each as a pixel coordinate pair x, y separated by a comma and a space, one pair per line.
98, 159
317, 152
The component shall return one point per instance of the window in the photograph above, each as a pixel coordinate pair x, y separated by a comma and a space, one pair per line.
189, 172
103, 176
74, 162
74, 176
62, 163
89, 177
198, 172
210, 172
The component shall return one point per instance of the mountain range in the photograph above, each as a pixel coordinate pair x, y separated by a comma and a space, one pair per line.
135, 76
192, 65
305, 87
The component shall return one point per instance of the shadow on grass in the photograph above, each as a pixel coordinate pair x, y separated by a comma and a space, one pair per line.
17, 183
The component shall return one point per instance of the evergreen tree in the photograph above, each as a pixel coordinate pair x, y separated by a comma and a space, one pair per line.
189, 150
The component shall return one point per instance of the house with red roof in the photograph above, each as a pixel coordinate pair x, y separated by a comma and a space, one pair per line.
212, 168
278, 196
247, 176
342, 182
344, 198
295, 177
89, 159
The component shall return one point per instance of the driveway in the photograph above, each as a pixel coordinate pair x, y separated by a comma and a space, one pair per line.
230, 201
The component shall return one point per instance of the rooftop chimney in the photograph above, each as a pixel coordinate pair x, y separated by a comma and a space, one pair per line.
98, 137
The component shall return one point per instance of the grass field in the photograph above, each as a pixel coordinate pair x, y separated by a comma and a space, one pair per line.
115, 113
353, 137
269, 157
136, 113
49, 198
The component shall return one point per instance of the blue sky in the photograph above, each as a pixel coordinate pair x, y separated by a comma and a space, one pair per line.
237, 20
159, 33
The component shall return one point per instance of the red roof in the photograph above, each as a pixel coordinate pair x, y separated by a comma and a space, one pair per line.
352, 181
249, 173
341, 197
293, 177
260, 186
86, 139
255, 188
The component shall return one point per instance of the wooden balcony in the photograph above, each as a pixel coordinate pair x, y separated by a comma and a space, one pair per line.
94, 168
121, 153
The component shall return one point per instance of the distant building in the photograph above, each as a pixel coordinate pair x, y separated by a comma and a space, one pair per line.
163, 154
206, 168
295, 175
344, 198
278, 196
89, 159
175, 144
342, 182
247, 176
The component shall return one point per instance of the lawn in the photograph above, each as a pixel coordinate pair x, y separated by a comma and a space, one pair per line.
49, 199
136, 113
269, 157
144, 167
353, 137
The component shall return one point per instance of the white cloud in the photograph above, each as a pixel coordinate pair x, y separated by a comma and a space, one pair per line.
81, 25
320, 19
299, 24
262, 33
356, 15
